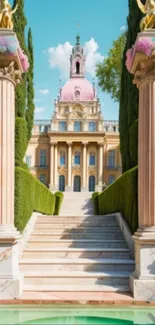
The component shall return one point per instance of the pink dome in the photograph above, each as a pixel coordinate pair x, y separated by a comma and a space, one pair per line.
77, 89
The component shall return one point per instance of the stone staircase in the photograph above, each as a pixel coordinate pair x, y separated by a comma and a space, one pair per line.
76, 253
77, 204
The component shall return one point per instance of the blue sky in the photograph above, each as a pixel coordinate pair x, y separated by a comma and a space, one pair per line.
54, 23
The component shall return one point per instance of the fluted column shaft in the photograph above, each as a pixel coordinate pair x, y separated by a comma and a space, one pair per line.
84, 165
146, 155
69, 164
7, 153
51, 164
55, 165
100, 164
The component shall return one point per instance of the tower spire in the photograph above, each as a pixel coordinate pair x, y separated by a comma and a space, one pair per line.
78, 36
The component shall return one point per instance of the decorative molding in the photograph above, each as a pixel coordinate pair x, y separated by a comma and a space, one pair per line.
62, 169
92, 170
11, 73
76, 169
145, 71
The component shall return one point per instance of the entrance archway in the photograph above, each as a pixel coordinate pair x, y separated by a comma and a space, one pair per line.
91, 183
77, 184
61, 183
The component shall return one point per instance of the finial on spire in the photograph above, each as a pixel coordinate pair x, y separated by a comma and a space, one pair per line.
78, 36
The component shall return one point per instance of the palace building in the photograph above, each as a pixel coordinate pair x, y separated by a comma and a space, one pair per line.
76, 150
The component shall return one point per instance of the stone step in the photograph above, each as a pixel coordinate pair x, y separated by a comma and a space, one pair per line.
66, 223
46, 252
74, 236
79, 264
69, 243
54, 227
75, 288
70, 217
75, 278
39, 239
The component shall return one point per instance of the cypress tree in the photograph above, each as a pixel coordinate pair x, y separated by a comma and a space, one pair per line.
128, 112
30, 88
20, 22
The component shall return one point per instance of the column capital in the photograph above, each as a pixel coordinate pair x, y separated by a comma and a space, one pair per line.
100, 144
11, 73
69, 143
145, 73
53, 143
85, 143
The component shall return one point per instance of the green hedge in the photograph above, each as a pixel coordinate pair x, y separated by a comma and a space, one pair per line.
58, 202
20, 141
134, 143
30, 195
122, 196
95, 203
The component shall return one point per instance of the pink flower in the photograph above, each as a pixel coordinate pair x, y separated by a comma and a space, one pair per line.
23, 59
144, 45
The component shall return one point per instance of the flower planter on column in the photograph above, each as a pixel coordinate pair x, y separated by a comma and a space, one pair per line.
141, 63
12, 64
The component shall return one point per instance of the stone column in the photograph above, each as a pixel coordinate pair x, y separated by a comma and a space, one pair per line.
143, 279
84, 167
69, 186
10, 75
98, 187
51, 165
55, 187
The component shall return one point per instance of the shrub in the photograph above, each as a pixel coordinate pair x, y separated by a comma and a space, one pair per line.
58, 202
30, 195
20, 141
95, 202
122, 196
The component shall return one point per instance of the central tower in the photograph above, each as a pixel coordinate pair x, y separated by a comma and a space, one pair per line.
77, 60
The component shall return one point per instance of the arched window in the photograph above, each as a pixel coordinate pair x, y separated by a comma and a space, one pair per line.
91, 183
62, 158
92, 159
77, 158
111, 158
77, 67
61, 183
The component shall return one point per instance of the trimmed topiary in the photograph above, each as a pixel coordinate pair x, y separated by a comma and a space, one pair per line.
58, 202
30, 195
122, 196
95, 202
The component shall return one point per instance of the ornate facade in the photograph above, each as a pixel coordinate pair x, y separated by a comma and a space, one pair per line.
77, 150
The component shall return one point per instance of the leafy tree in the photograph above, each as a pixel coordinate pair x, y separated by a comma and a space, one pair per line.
20, 22
128, 111
30, 88
109, 72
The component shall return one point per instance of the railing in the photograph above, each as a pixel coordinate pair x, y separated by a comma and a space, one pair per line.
44, 126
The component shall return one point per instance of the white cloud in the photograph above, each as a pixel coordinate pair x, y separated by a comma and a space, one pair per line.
59, 57
39, 109
44, 91
91, 50
123, 28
